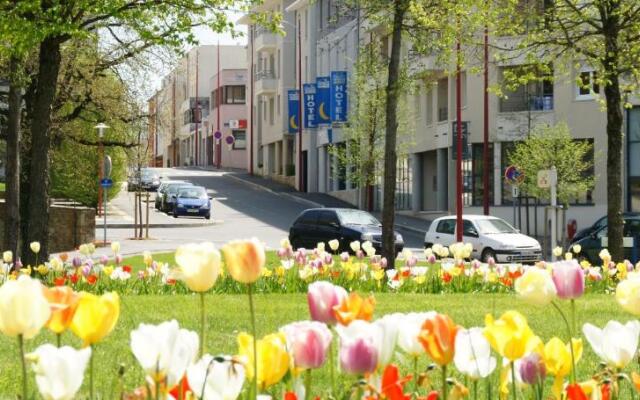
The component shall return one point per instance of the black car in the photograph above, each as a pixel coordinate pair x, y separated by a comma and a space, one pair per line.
170, 194
599, 224
594, 242
344, 224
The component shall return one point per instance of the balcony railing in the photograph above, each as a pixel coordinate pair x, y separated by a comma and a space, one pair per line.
265, 74
535, 103
443, 114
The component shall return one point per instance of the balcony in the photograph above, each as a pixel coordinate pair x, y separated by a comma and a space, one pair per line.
265, 40
443, 114
266, 82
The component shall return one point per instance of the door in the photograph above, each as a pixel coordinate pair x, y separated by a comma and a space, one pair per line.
632, 239
328, 227
304, 230
445, 232
470, 235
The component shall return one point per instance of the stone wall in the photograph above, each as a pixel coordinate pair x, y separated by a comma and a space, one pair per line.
69, 226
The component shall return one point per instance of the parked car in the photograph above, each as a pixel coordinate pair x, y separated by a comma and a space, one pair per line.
162, 189
149, 179
169, 197
133, 181
192, 200
344, 224
491, 237
594, 242
599, 224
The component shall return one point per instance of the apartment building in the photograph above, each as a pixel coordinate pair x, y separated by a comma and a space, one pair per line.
183, 104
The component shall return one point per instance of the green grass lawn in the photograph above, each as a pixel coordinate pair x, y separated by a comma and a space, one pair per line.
228, 314
1, 187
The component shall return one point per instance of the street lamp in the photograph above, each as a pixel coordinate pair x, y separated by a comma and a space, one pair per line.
100, 127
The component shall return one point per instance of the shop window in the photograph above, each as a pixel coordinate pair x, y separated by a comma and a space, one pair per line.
240, 139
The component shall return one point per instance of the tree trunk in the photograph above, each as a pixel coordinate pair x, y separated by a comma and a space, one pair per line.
38, 217
390, 157
12, 199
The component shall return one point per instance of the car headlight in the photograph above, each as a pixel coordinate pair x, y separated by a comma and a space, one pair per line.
508, 247
180, 205
205, 206
367, 237
399, 238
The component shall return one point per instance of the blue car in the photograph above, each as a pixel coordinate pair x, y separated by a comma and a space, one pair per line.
192, 201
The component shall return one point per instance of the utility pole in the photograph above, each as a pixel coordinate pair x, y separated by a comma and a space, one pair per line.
300, 171
458, 145
485, 145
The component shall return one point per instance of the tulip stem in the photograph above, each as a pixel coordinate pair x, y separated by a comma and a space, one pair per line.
513, 381
91, 357
255, 341
203, 323
332, 363
59, 339
415, 376
307, 385
24, 367
566, 322
573, 316
475, 389
444, 382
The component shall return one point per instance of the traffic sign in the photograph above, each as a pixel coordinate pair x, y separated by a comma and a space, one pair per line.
546, 178
107, 166
106, 183
513, 175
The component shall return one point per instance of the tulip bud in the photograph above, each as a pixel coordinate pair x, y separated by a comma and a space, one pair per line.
244, 259
411, 261
7, 256
115, 247
334, 244
322, 297
344, 256
18, 264
118, 259
104, 259
35, 247
431, 259
532, 369
576, 248
359, 254
568, 278
557, 251
76, 262
383, 263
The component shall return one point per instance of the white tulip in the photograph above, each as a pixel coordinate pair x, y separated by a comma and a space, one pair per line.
7, 257
355, 245
199, 265
577, 248
410, 327
59, 371
320, 247
35, 247
23, 308
616, 344
389, 327
164, 351
334, 244
473, 354
535, 286
219, 378
115, 247
557, 251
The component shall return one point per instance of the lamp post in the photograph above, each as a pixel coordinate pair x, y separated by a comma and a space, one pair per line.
100, 127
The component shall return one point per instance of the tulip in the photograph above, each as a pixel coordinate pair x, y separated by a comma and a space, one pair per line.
63, 301
392, 385
216, 378
389, 328
23, 308
95, 317
616, 344
115, 247
308, 343
104, 259
164, 351
568, 277
557, 251
7, 257
558, 360
334, 244
354, 307
535, 286
473, 354
628, 295
272, 360
199, 265
322, 297
244, 259
410, 328
35, 247
532, 369
344, 256
59, 371
438, 337
510, 335
358, 347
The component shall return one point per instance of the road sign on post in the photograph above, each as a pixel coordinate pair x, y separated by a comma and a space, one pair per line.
106, 183
544, 179
107, 166
513, 175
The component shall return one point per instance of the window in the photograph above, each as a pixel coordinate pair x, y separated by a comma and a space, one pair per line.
271, 109
309, 218
536, 95
240, 139
443, 99
446, 226
403, 183
429, 115
587, 86
234, 94
468, 229
327, 218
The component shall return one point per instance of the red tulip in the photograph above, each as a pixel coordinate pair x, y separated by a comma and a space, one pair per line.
575, 392
392, 384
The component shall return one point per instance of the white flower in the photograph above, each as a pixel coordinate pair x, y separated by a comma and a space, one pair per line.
320, 247
616, 344
428, 252
115, 247
285, 243
473, 354
557, 251
410, 327
419, 271
305, 272
35, 247
219, 378
355, 245
59, 371
7, 257
568, 256
535, 286
577, 248
388, 327
23, 308
120, 274
334, 244
605, 256
164, 351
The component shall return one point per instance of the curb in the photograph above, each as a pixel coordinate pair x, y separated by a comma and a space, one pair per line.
167, 225
246, 182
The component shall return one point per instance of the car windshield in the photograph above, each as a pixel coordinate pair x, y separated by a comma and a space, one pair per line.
176, 188
357, 217
192, 193
494, 225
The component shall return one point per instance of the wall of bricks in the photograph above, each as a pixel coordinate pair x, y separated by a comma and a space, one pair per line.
69, 226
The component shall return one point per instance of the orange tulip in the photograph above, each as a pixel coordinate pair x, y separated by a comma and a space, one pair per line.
438, 337
63, 301
354, 307
244, 259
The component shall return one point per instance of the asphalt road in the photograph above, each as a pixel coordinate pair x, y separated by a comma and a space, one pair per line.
240, 211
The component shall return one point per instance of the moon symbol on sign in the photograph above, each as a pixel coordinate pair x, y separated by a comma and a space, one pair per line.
323, 115
292, 122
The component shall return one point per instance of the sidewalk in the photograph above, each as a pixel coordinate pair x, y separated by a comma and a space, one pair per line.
410, 223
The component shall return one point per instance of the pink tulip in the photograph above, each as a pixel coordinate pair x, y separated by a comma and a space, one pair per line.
568, 277
358, 347
431, 259
308, 343
383, 263
532, 369
104, 260
327, 259
282, 253
118, 259
359, 254
322, 296
411, 261
344, 256
491, 261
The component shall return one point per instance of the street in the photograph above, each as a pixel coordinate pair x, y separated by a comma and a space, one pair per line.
240, 210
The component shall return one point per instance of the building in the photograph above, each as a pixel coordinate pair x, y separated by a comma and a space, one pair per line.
182, 106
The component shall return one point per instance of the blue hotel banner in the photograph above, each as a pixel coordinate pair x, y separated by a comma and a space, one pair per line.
310, 105
323, 99
293, 99
339, 96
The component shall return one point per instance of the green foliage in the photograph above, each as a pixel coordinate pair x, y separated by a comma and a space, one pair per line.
553, 146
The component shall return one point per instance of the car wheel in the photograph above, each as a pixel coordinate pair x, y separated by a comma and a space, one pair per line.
487, 254
175, 213
427, 245
208, 216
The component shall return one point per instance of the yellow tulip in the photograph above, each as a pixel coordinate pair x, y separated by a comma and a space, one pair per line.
273, 360
107, 270
64, 302
510, 335
628, 294
95, 317
244, 259
557, 360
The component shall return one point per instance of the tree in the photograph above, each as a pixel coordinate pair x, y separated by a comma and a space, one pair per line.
550, 146
600, 34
